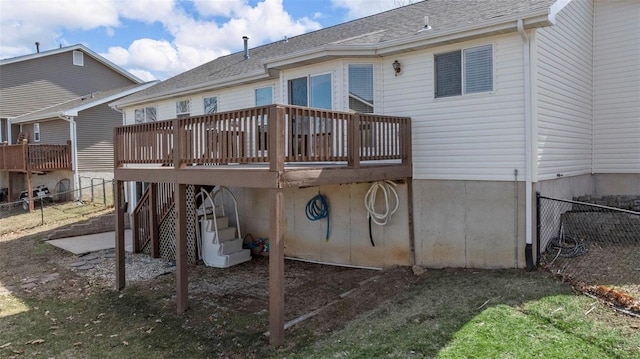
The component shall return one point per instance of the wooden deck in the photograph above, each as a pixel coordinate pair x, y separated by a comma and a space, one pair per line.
272, 147
302, 147
35, 157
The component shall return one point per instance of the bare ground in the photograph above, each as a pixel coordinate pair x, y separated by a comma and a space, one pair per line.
30, 268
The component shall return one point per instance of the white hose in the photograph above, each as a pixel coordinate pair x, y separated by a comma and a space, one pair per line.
386, 187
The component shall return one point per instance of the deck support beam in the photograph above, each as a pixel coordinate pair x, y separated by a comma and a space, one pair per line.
181, 247
276, 267
119, 219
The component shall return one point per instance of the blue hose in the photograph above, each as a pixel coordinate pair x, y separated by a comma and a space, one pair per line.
317, 208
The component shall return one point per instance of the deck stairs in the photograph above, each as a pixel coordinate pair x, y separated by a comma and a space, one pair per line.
220, 245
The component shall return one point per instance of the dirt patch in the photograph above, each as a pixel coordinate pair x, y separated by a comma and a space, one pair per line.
32, 269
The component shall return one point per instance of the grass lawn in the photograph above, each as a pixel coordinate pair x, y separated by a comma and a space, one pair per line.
441, 314
484, 314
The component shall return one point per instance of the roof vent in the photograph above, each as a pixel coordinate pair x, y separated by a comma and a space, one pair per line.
246, 47
286, 39
426, 24
37, 47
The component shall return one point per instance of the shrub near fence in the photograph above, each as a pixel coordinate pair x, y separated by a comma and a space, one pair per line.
594, 246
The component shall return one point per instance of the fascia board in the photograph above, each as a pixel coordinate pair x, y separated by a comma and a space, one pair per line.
211, 85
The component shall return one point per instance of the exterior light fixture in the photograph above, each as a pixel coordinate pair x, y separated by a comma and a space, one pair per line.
396, 67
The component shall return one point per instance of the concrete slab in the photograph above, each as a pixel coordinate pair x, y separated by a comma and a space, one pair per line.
92, 242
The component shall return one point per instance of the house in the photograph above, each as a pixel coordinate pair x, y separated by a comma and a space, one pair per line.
57, 98
505, 99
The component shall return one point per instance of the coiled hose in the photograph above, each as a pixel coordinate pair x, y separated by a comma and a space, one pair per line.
317, 208
566, 245
380, 218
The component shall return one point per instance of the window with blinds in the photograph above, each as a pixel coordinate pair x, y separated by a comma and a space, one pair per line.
464, 71
361, 88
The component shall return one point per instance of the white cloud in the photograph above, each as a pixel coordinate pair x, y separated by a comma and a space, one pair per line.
144, 75
361, 8
25, 22
188, 40
196, 41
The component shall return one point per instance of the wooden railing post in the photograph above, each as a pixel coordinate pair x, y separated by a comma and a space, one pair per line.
406, 140
177, 144
276, 138
136, 232
153, 220
353, 138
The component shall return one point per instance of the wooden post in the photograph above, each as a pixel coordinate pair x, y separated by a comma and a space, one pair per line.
177, 144
120, 255
153, 220
276, 138
276, 267
10, 195
30, 189
406, 136
353, 146
181, 247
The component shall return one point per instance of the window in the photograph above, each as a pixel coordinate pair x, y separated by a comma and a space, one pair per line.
464, 71
361, 88
312, 91
264, 96
36, 132
78, 58
147, 114
210, 105
183, 108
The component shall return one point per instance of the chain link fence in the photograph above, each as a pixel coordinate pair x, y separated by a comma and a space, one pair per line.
60, 203
594, 246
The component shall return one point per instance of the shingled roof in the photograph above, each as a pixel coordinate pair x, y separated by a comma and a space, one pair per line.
393, 28
72, 107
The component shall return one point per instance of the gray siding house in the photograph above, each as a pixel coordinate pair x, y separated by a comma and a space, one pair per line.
60, 97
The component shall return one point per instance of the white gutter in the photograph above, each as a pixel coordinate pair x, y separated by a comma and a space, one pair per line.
74, 151
537, 18
9, 130
218, 83
528, 131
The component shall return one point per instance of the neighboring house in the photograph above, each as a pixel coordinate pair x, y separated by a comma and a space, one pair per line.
506, 98
51, 97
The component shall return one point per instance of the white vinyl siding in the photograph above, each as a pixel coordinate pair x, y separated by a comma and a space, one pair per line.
617, 87
564, 97
473, 137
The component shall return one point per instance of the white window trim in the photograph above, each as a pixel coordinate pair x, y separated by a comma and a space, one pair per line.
204, 109
373, 65
309, 76
188, 113
36, 130
462, 72
78, 58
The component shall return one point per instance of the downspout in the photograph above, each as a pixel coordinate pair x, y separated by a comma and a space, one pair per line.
74, 152
528, 130
9, 140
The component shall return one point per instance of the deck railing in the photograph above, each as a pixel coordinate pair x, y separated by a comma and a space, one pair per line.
35, 157
298, 134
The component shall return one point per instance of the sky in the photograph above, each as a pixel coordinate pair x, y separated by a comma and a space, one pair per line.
157, 39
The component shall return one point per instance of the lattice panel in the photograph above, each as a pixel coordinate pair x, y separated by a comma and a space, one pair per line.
168, 230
